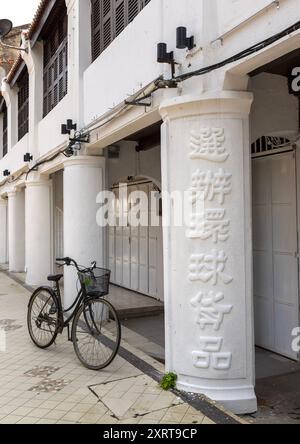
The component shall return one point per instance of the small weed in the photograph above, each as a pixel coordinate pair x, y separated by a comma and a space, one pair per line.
168, 381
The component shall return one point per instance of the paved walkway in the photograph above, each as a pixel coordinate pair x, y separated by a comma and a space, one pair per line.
51, 386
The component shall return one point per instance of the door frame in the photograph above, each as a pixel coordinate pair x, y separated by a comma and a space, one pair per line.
143, 180
289, 148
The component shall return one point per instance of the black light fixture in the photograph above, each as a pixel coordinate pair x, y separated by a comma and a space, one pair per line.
163, 56
183, 41
6, 173
28, 157
67, 128
76, 140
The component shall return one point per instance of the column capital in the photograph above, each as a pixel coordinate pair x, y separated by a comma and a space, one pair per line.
211, 102
85, 161
3, 202
12, 193
37, 180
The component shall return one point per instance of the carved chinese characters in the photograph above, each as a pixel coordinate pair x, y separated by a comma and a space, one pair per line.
212, 224
208, 144
209, 267
209, 309
212, 185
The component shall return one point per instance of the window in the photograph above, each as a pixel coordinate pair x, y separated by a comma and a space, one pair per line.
56, 61
109, 19
4, 129
23, 104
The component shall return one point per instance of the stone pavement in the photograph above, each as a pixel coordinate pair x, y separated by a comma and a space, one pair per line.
51, 386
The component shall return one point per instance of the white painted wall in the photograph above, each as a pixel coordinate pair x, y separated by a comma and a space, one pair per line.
14, 160
274, 110
136, 47
233, 12
89, 95
49, 128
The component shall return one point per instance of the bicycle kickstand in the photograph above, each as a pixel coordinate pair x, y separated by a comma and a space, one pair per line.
69, 334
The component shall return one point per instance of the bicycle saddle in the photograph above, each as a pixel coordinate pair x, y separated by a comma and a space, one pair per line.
55, 277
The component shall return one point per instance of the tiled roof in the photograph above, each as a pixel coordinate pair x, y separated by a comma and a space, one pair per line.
34, 24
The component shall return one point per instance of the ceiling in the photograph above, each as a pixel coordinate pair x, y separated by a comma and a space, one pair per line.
282, 66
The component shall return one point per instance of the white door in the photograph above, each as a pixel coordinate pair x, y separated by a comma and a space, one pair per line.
135, 253
59, 232
275, 239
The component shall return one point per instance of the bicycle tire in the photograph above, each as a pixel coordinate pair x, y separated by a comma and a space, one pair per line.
49, 302
100, 330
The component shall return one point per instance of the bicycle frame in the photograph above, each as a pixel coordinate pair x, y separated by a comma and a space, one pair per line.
75, 306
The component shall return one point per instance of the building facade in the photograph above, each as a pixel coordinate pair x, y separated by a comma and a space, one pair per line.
216, 114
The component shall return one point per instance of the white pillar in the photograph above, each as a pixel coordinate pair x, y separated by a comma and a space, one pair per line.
11, 98
16, 231
38, 200
208, 267
79, 54
84, 179
3, 231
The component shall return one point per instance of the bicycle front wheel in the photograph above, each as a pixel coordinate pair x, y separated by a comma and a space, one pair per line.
96, 334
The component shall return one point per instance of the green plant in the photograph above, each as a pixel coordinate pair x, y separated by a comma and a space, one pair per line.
168, 381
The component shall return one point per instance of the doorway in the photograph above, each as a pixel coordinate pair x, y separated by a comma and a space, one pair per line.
136, 253
275, 251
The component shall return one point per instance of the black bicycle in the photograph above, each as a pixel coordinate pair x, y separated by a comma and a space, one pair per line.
96, 329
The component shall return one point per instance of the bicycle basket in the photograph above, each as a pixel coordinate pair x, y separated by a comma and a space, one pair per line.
95, 283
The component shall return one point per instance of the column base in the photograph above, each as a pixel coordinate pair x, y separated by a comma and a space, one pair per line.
239, 400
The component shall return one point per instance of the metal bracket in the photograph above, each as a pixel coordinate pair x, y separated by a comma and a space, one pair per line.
137, 103
17, 48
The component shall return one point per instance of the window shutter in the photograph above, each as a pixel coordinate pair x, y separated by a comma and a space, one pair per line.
56, 62
4, 130
23, 105
109, 19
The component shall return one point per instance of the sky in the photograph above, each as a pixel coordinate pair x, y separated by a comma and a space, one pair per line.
20, 12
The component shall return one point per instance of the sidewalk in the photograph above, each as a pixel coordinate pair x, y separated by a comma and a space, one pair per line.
51, 386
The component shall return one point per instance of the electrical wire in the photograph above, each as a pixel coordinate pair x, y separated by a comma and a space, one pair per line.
241, 55
161, 83
34, 168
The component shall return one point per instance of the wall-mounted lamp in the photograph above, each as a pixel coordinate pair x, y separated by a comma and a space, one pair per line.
67, 128
6, 173
28, 157
163, 56
182, 40
114, 152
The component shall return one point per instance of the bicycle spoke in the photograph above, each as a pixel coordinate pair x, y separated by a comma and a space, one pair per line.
42, 323
91, 341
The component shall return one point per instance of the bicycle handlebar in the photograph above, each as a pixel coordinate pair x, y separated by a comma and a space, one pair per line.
69, 261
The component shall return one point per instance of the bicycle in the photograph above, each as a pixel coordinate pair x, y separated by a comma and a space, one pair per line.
96, 329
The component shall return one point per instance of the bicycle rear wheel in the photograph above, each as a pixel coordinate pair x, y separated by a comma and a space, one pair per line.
96, 334
43, 318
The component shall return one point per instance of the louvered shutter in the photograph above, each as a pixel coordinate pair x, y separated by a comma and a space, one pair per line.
109, 19
4, 130
56, 63
23, 104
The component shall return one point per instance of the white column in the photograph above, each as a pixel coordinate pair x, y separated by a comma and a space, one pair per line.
3, 231
1, 138
11, 97
208, 265
79, 53
84, 179
38, 200
16, 231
